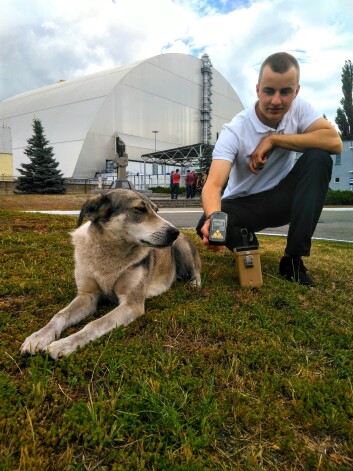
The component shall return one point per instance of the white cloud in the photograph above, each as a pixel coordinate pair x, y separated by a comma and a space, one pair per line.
44, 41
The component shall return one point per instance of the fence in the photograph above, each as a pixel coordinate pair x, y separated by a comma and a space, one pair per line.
142, 182
86, 185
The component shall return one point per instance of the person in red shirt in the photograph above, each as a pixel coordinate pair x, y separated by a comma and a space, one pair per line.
189, 180
176, 183
194, 183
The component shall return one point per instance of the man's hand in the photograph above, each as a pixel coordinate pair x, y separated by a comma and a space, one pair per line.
206, 232
260, 155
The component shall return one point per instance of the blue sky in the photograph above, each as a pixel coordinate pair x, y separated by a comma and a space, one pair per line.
213, 7
43, 41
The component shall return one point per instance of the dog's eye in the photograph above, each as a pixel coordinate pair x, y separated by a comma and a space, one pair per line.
140, 209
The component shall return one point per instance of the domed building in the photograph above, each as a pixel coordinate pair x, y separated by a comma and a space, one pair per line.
161, 110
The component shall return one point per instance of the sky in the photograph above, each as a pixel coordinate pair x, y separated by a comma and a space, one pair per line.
44, 41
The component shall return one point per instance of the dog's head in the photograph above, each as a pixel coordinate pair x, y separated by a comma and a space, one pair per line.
129, 215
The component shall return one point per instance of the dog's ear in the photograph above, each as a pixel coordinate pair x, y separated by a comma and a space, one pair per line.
154, 206
96, 208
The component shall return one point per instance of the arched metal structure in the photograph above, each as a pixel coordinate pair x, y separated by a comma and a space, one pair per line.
169, 94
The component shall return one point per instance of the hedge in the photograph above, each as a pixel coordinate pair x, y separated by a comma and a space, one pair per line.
337, 197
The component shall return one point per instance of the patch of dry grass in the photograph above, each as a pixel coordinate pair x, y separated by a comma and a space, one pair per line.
69, 202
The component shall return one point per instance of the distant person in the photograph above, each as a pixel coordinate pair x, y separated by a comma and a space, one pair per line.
255, 153
194, 183
189, 180
176, 183
171, 184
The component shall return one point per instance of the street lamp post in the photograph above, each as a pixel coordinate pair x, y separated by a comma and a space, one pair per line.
155, 140
155, 146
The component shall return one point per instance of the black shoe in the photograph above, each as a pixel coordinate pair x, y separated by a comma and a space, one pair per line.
293, 269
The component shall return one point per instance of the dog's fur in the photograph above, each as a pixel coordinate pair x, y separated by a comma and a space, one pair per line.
126, 253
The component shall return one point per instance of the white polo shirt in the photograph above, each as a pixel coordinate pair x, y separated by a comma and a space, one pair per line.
240, 137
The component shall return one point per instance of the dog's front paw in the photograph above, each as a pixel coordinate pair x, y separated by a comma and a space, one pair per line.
195, 283
37, 342
60, 348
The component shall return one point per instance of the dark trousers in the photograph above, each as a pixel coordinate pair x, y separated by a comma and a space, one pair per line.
189, 191
297, 200
175, 191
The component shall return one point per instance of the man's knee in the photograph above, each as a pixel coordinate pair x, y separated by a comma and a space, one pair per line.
318, 158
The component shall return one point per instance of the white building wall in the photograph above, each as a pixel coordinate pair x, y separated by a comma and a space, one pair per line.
66, 110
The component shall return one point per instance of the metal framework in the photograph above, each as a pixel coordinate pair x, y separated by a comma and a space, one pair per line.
181, 156
190, 155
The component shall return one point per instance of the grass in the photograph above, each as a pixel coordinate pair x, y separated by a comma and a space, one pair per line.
68, 202
220, 378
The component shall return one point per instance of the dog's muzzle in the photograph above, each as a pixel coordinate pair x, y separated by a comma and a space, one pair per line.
167, 237
162, 238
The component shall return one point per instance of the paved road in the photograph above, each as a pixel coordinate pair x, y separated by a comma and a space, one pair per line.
334, 224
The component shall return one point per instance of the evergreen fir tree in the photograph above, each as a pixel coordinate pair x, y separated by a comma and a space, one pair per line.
206, 158
41, 175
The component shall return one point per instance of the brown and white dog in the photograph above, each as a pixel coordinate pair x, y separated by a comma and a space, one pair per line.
126, 253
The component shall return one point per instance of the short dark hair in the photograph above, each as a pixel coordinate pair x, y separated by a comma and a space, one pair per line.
280, 62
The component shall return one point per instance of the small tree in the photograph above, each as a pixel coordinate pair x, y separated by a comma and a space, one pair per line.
206, 158
41, 175
344, 118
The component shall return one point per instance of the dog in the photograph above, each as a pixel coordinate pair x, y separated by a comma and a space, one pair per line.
125, 252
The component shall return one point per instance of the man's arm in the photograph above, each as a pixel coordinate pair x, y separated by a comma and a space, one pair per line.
321, 134
211, 193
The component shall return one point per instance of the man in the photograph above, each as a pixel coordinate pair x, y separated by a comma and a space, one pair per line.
175, 185
256, 153
194, 183
171, 184
189, 180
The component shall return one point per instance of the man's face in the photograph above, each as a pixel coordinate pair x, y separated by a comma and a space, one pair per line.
276, 93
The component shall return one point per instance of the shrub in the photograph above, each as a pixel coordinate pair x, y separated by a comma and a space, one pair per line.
165, 189
337, 197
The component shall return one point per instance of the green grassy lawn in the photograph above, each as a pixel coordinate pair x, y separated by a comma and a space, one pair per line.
218, 378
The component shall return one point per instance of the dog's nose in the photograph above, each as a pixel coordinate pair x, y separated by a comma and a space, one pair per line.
173, 233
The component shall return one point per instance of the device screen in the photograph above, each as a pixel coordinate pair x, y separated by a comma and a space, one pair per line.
218, 224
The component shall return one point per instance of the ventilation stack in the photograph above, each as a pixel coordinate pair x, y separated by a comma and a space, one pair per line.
206, 118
